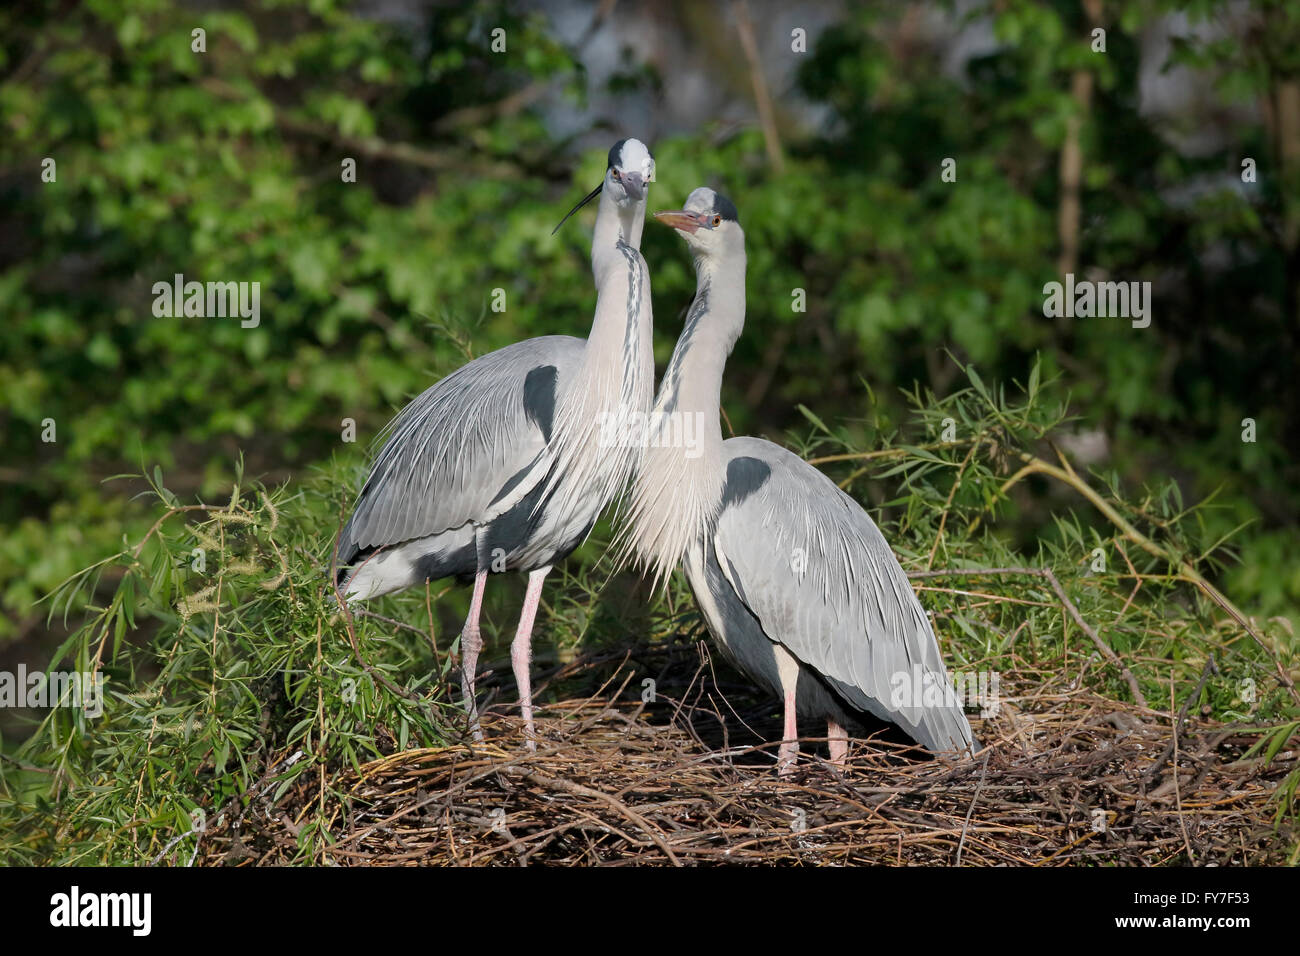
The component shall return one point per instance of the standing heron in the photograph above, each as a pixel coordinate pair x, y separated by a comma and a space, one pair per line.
793, 578
500, 466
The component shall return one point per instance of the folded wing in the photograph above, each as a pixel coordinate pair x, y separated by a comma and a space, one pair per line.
818, 575
466, 449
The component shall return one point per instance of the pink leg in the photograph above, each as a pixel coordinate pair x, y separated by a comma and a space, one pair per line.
837, 739
787, 669
521, 652
471, 642
789, 751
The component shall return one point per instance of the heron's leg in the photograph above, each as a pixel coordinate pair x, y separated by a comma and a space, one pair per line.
837, 738
787, 669
471, 642
521, 651
789, 750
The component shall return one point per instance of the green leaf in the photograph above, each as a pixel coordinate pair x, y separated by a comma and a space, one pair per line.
812, 417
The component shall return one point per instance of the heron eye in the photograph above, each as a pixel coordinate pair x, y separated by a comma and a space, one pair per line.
717, 221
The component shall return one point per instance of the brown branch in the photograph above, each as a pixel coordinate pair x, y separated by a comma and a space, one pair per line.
1038, 466
965, 827
372, 146
482, 113
1046, 573
1210, 668
1070, 210
772, 356
578, 789
762, 98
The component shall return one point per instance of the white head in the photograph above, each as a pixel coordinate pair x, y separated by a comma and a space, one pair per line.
709, 223
629, 170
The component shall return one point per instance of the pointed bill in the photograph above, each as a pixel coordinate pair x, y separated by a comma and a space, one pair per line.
581, 202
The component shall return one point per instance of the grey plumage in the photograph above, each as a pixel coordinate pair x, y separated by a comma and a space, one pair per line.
793, 578
813, 573
467, 450
501, 465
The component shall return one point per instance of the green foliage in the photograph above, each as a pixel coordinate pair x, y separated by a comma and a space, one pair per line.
239, 680
222, 660
227, 166
174, 162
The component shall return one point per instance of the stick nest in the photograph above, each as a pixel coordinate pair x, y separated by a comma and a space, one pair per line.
1067, 777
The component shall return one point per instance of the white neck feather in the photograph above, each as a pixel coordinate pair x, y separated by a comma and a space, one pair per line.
617, 375
678, 488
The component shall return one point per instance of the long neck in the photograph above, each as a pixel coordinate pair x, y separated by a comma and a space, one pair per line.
615, 382
619, 347
693, 380
614, 223
622, 321
680, 483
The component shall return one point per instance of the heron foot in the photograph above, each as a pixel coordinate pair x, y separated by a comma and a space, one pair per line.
520, 658
837, 739
786, 757
471, 642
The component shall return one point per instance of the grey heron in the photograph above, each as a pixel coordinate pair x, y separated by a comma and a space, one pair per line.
501, 465
793, 578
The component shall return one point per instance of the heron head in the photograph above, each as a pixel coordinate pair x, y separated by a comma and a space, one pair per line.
629, 170
708, 222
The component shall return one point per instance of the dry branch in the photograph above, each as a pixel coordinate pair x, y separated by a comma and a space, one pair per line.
1068, 778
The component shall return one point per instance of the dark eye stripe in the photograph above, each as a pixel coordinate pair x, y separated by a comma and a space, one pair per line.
615, 153
724, 207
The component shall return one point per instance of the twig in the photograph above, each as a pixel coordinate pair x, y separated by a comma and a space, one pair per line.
1172, 748
965, 827
362, 612
366, 145
1046, 573
762, 99
952, 493
1178, 790
579, 790
1038, 466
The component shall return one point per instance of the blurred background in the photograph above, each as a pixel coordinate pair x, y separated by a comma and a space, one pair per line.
828, 123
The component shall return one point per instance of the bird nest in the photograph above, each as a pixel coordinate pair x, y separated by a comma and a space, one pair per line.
1067, 777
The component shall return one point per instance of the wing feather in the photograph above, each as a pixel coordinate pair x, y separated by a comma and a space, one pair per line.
816, 572
448, 454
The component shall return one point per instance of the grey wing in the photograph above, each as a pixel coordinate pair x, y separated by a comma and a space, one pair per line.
818, 575
466, 449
